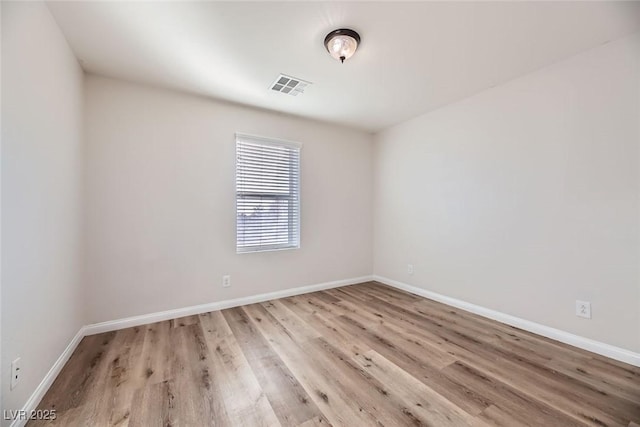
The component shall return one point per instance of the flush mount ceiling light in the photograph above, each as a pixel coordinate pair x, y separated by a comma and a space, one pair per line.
342, 44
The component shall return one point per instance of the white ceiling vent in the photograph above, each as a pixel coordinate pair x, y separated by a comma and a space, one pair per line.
289, 85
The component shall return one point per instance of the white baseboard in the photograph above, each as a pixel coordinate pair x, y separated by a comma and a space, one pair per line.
144, 319
49, 378
96, 328
128, 322
588, 344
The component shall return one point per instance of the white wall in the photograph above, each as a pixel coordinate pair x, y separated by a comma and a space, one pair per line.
42, 161
161, 201
524, 197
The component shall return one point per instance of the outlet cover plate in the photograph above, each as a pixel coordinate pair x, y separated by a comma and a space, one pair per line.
583, 309
15, 373
226, 281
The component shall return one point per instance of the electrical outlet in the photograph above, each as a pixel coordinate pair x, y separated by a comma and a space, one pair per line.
226, 281
15, 373
410, 269
583, 309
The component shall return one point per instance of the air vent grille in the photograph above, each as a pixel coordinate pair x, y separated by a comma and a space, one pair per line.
289, 85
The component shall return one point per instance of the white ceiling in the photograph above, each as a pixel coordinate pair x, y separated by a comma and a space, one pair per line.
414, 57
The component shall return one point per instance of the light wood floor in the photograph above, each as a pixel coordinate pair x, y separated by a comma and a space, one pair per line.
362, 355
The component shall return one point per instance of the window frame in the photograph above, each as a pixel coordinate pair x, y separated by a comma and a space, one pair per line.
274, 142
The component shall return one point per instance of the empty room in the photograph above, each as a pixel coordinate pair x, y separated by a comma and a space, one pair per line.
304, 213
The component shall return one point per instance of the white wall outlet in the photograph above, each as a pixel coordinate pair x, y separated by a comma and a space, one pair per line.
583, 309
226, 281
16, 373
410, 269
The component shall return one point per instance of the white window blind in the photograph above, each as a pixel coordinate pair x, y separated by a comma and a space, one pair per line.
267, 194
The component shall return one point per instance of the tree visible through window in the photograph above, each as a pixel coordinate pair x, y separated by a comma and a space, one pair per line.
267, 194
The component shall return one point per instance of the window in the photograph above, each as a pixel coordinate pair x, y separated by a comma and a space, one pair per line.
267, 194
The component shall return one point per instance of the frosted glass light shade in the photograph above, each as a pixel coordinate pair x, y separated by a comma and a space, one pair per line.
342, 44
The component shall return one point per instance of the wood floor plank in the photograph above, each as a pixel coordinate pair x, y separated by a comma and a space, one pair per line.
184, 321
371, 394
246, 403
291, 321
157, 354
422, 405
109, 399
154, 406
603, 383
422, 350
360, 355
421, 368
71, 388
509, 406
335, 399
199, 392
291, 403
